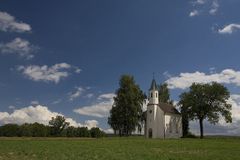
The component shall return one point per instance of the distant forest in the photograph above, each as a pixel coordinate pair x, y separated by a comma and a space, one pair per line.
57, 128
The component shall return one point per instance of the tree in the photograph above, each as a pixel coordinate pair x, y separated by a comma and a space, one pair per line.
83, 132
71, 131
126, 111
96, 132
164, 95
206, 101
9, 130
184, 111
58, 124
39, 130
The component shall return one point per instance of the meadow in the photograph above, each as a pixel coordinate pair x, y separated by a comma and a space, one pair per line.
132, 148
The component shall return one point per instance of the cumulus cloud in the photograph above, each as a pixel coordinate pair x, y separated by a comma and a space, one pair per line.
100, 109
229, 29
40, 114
184, 80
91, 123
77, 93
46, 73
20, 47
9, 23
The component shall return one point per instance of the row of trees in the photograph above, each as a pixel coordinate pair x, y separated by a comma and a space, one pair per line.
201, 102
57, 127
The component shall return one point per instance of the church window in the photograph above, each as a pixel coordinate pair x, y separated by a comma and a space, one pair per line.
156, 95
151, 95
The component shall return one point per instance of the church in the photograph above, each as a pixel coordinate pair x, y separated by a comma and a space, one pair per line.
162, 120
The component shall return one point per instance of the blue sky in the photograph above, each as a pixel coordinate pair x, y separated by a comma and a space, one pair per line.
61, 57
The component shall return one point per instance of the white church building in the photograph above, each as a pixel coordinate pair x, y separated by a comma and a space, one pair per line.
162, 120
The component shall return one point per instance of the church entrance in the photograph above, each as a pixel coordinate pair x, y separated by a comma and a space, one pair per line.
150, 133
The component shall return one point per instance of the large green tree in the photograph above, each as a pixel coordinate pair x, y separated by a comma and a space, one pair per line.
206, 101
58, 124
164, 95
126, 111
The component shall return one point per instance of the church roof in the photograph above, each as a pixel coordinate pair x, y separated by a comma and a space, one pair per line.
167, 108
153, 85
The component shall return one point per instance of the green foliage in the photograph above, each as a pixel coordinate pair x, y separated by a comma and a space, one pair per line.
126, 112
206, 101
96, 133
9, 130
83, 132
58, 124
164, 95
40, 130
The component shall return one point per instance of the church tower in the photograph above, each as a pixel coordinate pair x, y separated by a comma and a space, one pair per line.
152, 109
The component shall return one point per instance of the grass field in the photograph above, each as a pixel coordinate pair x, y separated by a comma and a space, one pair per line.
136, 148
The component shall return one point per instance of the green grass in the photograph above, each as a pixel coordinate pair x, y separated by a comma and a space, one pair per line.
135, 148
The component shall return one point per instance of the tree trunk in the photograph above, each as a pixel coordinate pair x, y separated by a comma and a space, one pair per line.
201, 128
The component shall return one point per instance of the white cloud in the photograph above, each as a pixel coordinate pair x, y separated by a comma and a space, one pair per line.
89, 95
8, 23
77, 93
229, 29
91, 123
167, 75
106, 96
11, 107
184, 80
46, 73
108, 131
57, 101
20, 47
78, 70
100, 109
200, 2
34, 103
205, 6
40, 114
193, 13
214, 7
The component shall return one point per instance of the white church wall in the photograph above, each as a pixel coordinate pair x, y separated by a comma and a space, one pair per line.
173, 126
151, 116
159, 124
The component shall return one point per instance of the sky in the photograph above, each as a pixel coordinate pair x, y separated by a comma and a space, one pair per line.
66, 57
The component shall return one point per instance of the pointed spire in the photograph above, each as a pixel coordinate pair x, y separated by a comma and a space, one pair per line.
153, 85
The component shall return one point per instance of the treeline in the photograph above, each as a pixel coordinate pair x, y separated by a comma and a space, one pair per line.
56, 129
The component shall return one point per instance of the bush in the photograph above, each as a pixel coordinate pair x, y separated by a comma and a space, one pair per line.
96, 133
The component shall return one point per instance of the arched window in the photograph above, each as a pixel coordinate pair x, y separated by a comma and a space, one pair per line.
156, 95
151, 95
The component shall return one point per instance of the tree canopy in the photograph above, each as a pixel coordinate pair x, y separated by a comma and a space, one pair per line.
206, 101
58, 124
126, 111
164, 95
